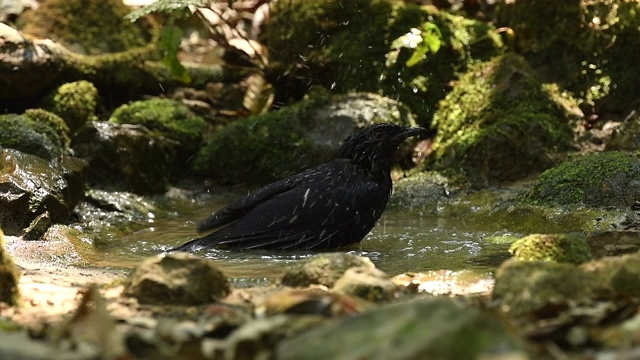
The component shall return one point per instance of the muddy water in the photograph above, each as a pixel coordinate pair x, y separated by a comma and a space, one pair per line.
401, 241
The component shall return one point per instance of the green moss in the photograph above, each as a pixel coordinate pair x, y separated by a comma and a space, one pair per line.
500, 123
88, 27
268, 144
344, 46
599, 179
30, 136
168, 117
589, 50
74, 102
50, 124
8, 277
570, 248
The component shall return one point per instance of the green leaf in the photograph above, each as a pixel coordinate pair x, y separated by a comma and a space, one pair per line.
169, 43
171, 7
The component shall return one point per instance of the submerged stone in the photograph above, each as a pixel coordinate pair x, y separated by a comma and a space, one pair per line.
323, 269
178, 278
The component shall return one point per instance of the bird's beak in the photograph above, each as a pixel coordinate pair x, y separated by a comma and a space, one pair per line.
409, 133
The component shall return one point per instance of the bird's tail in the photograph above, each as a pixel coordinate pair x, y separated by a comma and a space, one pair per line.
193, 245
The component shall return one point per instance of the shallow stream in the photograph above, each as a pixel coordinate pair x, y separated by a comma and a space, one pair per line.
402, 241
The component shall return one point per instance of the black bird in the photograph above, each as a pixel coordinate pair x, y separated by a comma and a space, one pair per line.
326, 207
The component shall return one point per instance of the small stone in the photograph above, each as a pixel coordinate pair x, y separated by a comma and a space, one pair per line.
38, 227
367, 283
179, 278
323, 269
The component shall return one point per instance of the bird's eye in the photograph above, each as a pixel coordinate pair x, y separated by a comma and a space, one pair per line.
378, 135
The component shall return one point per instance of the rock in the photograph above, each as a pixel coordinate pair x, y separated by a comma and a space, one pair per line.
9, 292
257, 339
38, 227
597, 180
625, 137
570, 248
524, 287
296, 137
500, 123
91, 27
367, 283
29, 186
308, 301
373, 31
620, 274
74, 102
28, 135
170, 118
323, 269
613, 242
130, 156
419, 329
178, 278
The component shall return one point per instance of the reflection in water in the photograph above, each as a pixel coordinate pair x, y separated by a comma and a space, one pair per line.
401, 241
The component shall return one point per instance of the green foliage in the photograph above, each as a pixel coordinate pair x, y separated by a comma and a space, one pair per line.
170, 35
176, 8
422, 41
169, 42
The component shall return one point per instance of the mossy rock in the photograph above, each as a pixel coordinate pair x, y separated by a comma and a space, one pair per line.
570, 248
51, 124
345, 46
263, 148
88, 27
75, 103
597, 180
9, 292
589, 49
127, 157
500, 123
35, 132
169, 117
525, 287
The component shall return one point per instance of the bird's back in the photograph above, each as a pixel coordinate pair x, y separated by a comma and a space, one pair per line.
326, 207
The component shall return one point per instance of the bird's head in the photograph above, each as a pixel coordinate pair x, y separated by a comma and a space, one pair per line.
374, 146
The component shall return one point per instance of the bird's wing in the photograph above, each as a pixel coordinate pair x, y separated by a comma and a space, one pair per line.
238, 208
322, 208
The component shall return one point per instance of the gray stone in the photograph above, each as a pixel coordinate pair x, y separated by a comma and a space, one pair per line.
323, 269
177, 278
368, 283
437, 328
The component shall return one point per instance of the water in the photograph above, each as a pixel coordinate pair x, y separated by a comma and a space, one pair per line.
402, 241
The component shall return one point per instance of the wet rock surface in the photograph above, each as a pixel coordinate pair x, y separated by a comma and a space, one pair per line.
29, 187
